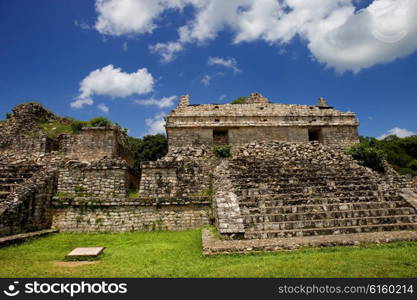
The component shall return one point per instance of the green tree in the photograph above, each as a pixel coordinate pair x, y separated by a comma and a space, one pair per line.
149, 148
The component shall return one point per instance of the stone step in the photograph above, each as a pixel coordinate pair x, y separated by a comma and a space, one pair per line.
11, 180
254, 202
15, 175
303, 193
336, 222
3, 195
8, 187
328, 231
261, 218
310, 208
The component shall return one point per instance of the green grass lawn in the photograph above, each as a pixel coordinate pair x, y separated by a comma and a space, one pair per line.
178, 254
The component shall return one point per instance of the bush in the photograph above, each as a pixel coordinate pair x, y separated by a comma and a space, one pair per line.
368, 156
100, 122
412, 165
239, 100
222, 151
150, 147
78, 125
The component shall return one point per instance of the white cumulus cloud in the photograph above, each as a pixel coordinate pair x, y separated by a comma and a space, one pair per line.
156, 124
111, 81
161, 103
337, 34
399, 132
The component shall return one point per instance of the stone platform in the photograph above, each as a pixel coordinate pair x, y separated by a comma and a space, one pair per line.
7, 240
85, 253
212, 245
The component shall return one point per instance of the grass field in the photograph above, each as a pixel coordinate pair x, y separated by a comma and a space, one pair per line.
178, 254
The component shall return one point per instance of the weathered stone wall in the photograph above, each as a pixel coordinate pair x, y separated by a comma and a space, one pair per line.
184, 171
121, 215
343, 136
180, 137
94, 143
28, 207
258, 120
28, 146
106, 178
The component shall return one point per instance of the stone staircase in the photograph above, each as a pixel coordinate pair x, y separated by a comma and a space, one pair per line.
13, 176
291, 190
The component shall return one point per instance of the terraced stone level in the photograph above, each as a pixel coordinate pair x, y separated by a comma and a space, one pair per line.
306, 190
12, 176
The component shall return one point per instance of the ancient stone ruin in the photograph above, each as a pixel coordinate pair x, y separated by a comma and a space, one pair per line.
286, 175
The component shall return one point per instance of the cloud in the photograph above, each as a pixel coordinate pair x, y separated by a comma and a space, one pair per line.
206, 80
161, 103
103, 108
337, 33
111, 81
125, 47
156, 124
167, 51
228, 63
399, 132
82, 25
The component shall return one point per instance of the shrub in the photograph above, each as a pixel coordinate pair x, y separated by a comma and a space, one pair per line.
239, 100
412, 165
78, 125
222, 151
149, 148
100, 122
368, 156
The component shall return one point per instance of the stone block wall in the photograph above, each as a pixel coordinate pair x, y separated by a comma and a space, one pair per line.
180, 137
94, 143
27, 146
343, 136
133, 215
77, 179
29, 207
174, 179
339, 136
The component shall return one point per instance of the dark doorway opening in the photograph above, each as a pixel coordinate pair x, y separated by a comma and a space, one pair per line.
220, 136
314, 135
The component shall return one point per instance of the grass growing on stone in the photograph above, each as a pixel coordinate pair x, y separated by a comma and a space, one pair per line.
54, 128
178, 254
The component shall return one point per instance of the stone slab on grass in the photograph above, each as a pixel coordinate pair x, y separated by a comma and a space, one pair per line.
85, 253
213, 245
7, 240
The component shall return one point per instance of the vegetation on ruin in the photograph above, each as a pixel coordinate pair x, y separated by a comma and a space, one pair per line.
178, 254
400, 153
69, 125
148, 148
239, 100
368, 156
222, 151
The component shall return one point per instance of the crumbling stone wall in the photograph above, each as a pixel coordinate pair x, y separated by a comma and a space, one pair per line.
28, 207
20, 134
184, 171
104, 178
143, 214
94, 143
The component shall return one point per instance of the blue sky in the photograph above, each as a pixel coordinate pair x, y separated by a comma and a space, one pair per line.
104, 55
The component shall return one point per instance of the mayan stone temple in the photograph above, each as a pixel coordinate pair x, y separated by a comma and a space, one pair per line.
283, 175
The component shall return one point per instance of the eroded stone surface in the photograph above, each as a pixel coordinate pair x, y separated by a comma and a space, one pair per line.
212, 245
